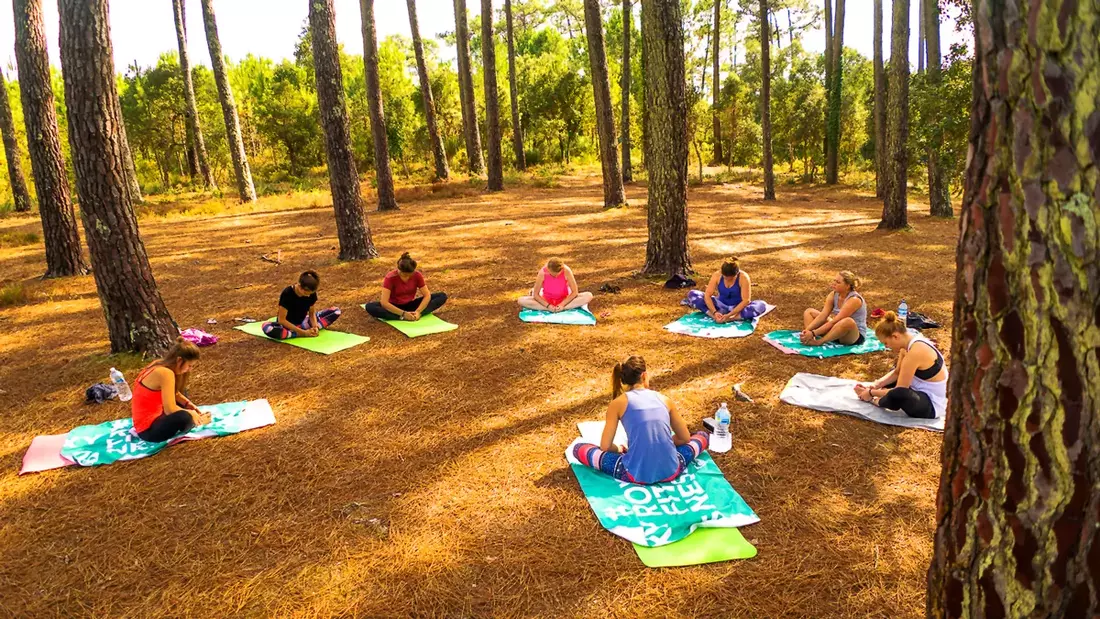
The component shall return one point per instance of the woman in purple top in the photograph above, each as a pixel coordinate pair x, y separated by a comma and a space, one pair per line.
660, 446
728, 296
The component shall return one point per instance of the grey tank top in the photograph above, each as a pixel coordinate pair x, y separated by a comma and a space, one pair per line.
860, 315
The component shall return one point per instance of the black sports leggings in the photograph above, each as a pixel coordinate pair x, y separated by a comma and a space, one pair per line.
375, 308
912, 403
168, 426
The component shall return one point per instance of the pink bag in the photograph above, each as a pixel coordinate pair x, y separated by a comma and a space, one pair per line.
199, 338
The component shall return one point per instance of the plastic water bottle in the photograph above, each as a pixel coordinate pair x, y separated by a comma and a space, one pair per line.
119, 381
903, 312
721, 441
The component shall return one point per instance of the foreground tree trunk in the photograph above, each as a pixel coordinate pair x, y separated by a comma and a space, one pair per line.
1019, 498
128, 163
716, 115
832, 128
470, 130
513, 92
439, 153
880, 107
939, 195
613, 193
766, 101
894, 210
628, 25
21, 198
351, 225
51, 183
667, 138
137, 319
245, 189
387, 199
191, 108
492, 102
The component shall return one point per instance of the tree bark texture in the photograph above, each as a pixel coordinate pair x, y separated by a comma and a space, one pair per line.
513, 91
939, 195
51, 182
439, 153
495, 162
387, 200
624, 82
922, 17
21, 198
894, 209
1018, 510
667, 138
880, 106
828, 68
137, 319
716, 114
468, 101
128, 163
351, 224
613, 193
197, 153
241, 171
766, 101
832, 128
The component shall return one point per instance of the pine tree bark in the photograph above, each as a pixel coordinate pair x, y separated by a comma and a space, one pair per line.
495, 162
666, 112
766, 101
624, 79
880, 106
351, 224
513, 92
922, 17
894, 210
21, 198
1018, 510
128, 163
387, 199
197, 152
939, 195
241, 171
716, 114
137, 319
645, 109
613, 194
470, 130
439, 153
832, 155
828, 69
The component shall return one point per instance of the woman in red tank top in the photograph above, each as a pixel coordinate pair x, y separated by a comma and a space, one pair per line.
160, 410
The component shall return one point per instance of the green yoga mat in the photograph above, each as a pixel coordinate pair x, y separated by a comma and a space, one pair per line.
702, 546
326, 342
788, 342
427, 325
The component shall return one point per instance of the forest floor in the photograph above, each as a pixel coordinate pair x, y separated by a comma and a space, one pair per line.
454, 442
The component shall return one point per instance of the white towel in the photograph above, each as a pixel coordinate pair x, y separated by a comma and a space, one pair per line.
837, 395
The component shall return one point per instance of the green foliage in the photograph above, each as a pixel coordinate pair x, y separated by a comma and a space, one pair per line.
941, 113
13, 294
18, 239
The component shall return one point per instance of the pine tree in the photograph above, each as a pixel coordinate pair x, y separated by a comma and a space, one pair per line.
387, 199
613, 193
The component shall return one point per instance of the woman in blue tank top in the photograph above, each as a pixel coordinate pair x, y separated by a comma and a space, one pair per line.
660, 446
728, 295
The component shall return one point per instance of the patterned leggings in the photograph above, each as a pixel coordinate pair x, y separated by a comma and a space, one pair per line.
612, 463
325, 318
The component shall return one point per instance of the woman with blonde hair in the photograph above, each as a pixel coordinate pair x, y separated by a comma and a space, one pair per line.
555, 289
159, 408
728, 295
843, 319
917, 386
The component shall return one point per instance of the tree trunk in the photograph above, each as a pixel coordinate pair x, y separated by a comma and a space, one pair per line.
387, 200
832, 155
137, 319
628, 24
197, 153
245, 189
439, 154
828, 68
128, 163
939, 195
21, 198
513, 92
51, 182
492, 103
1017, 510
880, 107
666, 113
766, 101
894, 210
645, 108
468, 101
716, 35
613, 193
351, 225
922, 17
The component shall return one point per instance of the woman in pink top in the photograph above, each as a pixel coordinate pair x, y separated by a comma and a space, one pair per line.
555, 289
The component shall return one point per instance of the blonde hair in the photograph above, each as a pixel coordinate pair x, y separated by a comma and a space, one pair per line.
850, 279
555, 265
180, 350
628, 372
889, 326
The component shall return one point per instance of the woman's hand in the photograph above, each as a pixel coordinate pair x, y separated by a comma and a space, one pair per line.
200, 419
620, 448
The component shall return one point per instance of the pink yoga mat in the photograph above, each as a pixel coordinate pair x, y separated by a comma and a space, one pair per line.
45, 454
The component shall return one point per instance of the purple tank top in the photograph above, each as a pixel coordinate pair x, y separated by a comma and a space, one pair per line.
651, 456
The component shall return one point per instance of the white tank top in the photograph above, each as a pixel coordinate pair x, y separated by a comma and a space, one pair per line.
936, 391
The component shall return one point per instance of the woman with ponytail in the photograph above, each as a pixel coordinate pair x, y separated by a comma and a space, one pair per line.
160, 410
917, 385
843, 319
400, 288
728, 295
660, 446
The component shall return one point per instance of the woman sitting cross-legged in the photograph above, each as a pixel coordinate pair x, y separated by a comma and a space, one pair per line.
160, 410
296, 317
728, 296
660, 447
843, 319
399, 290
917, 386
555, 289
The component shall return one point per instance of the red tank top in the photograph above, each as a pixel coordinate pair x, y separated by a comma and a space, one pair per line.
146, 404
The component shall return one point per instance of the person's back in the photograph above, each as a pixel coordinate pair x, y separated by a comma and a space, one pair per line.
651, 456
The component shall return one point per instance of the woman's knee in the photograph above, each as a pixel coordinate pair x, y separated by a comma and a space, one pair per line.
809, 315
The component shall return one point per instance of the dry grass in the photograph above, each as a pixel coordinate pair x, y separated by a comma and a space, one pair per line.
453, 443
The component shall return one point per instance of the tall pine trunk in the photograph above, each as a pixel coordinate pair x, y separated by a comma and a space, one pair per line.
21, 198
880, 106
766, 101
613, 193
832, 155
894, 209
922, 17
939, 196
387, 200
1019, 497
351, 224
137, 319
439, 153
513, 92
197, 151
666, 143
495, 162
470, 130
715, 113
128, 163
624, 79
241, 171
828, 69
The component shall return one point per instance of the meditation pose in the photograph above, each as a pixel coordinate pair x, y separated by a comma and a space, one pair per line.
400, 288
843, 319
296, 317
555, 289
660, 447
159, 408
917, 386
728, 296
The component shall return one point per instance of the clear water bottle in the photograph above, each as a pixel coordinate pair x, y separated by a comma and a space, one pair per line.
903, 312
721, 441
119, 381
